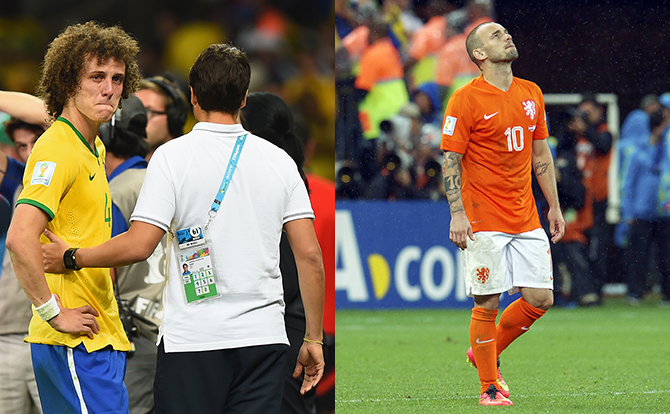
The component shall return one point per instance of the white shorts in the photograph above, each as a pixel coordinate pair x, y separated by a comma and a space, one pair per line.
496, 262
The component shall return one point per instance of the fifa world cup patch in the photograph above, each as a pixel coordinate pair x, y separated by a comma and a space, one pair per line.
43, 172
449, 125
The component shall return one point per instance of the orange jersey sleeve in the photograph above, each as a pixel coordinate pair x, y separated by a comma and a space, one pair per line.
494, 130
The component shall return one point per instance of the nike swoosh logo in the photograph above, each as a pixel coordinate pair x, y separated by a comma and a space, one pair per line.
486, 116
91, 177
485, 342
524, 328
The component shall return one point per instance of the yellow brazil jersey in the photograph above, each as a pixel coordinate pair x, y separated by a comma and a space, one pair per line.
65, 178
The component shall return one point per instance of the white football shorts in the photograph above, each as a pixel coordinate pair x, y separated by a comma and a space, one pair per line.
496, 262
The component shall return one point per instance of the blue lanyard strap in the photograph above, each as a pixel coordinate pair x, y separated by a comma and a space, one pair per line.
228, 176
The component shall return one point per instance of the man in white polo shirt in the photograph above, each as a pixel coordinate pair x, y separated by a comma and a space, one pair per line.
225, 195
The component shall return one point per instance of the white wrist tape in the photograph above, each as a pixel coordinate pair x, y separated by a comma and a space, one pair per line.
49, 309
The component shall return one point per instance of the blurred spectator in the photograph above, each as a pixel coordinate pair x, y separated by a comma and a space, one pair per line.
427, 97
184, 44
636, 124
401, 134
166, 108
643, 212
312, 93
634, 133
593, 159
395, 181
577, 207
420, 66
402, 21
18, 393
380, 83
429, 181
6, 144
348, 185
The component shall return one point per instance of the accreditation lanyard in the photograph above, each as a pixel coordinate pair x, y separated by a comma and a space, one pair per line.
228, 176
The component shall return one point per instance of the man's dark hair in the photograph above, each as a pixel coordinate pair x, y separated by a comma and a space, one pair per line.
125, 134
656, 119
69, 53
13, 124
590, 97
267, 115
220, 78
127, 144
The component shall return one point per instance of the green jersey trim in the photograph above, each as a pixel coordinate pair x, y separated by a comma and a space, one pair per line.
94, 150
39, 205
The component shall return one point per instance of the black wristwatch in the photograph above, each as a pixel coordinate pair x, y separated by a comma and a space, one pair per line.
69, 260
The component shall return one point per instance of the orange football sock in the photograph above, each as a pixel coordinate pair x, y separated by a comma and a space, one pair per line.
515, 320
483, 342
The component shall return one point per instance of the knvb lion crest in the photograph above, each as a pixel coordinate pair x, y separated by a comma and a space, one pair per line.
482, 274
530, 108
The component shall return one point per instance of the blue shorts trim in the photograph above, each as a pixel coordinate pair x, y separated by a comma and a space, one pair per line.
71, 380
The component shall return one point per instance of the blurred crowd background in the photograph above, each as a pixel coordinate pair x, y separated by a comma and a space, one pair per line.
289, 43
398, 61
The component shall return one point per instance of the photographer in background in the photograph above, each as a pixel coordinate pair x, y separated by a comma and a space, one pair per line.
594, 146
577, 208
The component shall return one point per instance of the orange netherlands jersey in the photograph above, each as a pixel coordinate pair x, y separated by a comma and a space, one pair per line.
494, 130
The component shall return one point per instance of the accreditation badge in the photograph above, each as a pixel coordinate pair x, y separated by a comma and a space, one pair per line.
195, 263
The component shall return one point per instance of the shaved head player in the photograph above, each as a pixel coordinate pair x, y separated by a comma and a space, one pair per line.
494, 134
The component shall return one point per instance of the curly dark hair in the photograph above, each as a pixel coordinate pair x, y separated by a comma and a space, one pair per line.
68, 53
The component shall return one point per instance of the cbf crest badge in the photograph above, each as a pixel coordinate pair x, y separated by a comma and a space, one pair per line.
530, 108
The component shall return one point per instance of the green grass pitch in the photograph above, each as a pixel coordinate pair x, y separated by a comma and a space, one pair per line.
611, 359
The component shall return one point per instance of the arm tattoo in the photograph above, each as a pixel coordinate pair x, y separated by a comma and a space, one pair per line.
452, 171
541, 168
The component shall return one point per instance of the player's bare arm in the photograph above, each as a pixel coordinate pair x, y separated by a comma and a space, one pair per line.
543, 165
452, 173
24, 247
26, 107
309, 262
116, 252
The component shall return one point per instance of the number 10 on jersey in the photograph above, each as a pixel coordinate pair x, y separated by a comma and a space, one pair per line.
514, 138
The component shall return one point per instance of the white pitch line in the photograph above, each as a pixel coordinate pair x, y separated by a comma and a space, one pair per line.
583, 394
